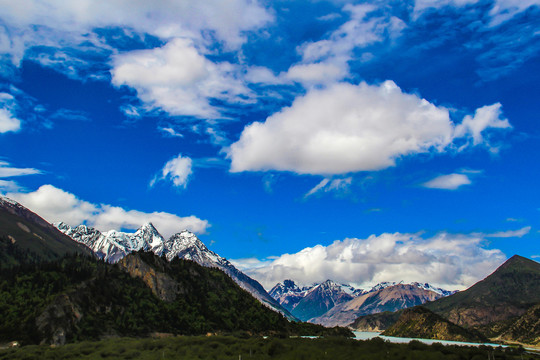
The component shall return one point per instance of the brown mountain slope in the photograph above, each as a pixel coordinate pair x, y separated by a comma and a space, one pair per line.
526, 329
388, 299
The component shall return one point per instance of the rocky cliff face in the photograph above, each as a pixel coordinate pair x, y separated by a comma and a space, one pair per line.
161, 284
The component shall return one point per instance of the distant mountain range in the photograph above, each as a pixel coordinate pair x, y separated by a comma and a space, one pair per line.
50, 293
53, 290
331, 304
503, 306
113, 246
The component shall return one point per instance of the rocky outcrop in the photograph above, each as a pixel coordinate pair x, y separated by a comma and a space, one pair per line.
161, 284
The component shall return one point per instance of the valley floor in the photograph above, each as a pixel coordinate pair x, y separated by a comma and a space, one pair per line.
228, 347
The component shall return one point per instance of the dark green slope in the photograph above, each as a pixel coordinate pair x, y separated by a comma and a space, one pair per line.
25, 235
419, 322
78, 298
505, 294
526, 329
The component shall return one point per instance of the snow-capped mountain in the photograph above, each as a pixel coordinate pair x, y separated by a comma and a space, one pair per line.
113, 245
288, 294
437, 290
424, 286
383, 285
386, 298
319, 299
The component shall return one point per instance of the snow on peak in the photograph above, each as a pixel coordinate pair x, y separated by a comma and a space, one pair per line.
384, 284
429, 287
288, 287
7, 200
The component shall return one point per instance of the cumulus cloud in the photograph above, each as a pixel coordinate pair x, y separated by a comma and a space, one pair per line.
486, 117
54, 205
177, 170
228, 21
178, 79
453, 261
448, 182
341, 129
349, 128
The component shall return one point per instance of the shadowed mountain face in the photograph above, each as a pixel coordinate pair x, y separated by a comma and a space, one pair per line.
526, 329
391, 298
25, 233
502, 306
320, 299
77, 298
507, 293
420, 322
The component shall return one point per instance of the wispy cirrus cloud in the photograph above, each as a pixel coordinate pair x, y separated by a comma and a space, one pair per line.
7, 170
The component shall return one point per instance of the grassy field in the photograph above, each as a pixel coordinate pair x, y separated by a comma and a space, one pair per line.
236, 348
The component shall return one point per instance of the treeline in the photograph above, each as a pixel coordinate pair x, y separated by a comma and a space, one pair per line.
79, 298
233, 348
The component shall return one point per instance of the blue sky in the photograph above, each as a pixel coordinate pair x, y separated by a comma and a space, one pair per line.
358, 141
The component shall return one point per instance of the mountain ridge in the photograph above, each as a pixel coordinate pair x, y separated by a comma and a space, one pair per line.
112, 246
502, 306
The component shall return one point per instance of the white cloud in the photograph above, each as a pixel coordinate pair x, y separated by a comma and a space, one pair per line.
8, 119
486, 117
510, 233
349, 128
177, 170
501, 11
317, 73
171, 132
228, 21
329, 185
6, 170
448, 182
8, 122
453, 261
9, 186
341, 129
326, 61
54, 204
178, 79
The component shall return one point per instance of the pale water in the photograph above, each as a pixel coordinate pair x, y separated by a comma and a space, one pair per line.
366, 335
